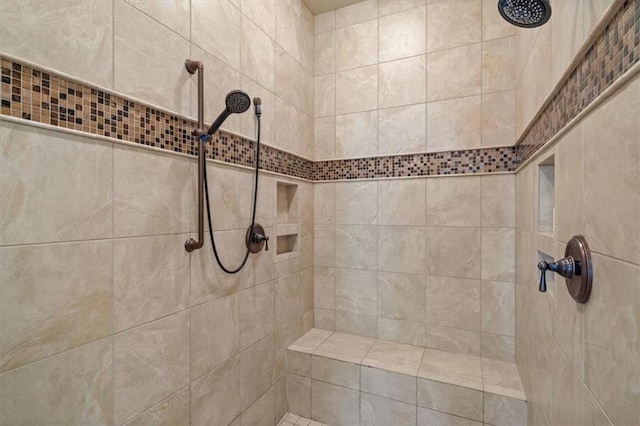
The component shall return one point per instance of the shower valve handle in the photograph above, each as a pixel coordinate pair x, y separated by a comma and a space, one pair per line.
566, 267
258, 238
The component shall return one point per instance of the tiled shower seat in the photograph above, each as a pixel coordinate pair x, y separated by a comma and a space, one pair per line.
344, 379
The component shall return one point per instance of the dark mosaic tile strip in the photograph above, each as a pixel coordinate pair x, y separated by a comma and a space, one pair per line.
614, 51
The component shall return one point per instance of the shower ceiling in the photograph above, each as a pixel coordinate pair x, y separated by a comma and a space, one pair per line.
320, 6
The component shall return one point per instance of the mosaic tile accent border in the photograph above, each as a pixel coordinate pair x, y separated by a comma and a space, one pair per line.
32, 94
614, 51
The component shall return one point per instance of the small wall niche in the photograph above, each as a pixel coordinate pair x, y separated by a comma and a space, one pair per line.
546, 196
287, 229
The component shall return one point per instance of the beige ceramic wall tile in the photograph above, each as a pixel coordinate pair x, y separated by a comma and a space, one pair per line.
334, 404
151, 279
358, 12
594, 11
345, 347
173, 14
403, 34
324, 22
498, 118
567, 25
324, 138
287, 126
35, 31
150, 363
175, 410
611, 224
33, 394
248, 122
401, 296
453, 23
465, 81
428, 417
324, 53
356, 90
336, 372
356, 247
324, 245
288, 299
498, 254
498, 200
525, 199
387, 7
151, 193
504, 410
215, 27
454, 124
262, 13
498, 307
401, 202
411, 333
356, 291
453, 302
353, 202
493, 25
257, 54
453, 252
567, 408
453, 201
457, 400
569, 175
324, 203
256, 314
288, 85
497, 65
261, 412
54, 298
402, 82
299, 395
215, 397
378, 410
358, 45
396, 357
298, 363
324, 319
455, 369
402, 130
401, 249
45, 202
357, 134
388, 384
256, 371
453, 340
324, 287
498, 347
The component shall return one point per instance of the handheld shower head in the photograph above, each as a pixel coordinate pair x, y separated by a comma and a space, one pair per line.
236, 102
525, 13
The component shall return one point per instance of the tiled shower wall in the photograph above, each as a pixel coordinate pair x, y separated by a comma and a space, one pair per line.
579, 363
106, 319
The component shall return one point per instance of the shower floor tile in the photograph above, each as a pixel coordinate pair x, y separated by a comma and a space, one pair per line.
293, 420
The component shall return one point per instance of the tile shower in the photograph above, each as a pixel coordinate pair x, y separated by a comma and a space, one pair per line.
404, 177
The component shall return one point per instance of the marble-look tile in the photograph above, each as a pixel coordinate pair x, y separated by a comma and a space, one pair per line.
592, 412
173, 411
411, 333
324, 138
403, 34
345, 347
401, 249
339, 373
504, 411
454, 124
288, 84
288, 299
358, 45
141, 43
356, 90
452, 368
215, 27
358, 12
73, 387
402, 82
262, 13
310, 341
569, 168
453, 340
150, 363
357, 134
324, 287
498, 254
151, 279
457, 400
267, 122
324, 53
173, 14
612, 344
257, 371
401, 202
525, 199
453, 201
498, 307
299, 395
594, 11
356, 247
567, 27
498, 118
324, 22
356, 291
498, 72
567, 389
261, 412
334, 405
324, 245
387, 7
452, 23
466, 81
257, 54
402, 130
287, 126
498, 347
354, 323
453, 302
324, 95
401, 296
375, 410
298, 363
396, 357
53, 298
35, 31
428, 417
256, 313
324, 319
493, 25
39, 203
388, 384
324, 203
502, 378
498, 207
453, 252
611, 224
151, 193
215, 397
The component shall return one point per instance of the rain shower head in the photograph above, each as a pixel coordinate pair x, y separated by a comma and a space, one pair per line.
525, 13
236, 102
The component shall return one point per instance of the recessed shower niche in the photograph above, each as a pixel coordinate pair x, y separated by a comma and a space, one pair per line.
287, 243
546, 196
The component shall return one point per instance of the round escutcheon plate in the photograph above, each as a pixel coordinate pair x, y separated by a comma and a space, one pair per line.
579, 285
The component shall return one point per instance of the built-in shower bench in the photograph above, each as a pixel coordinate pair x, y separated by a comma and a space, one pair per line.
344, 379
